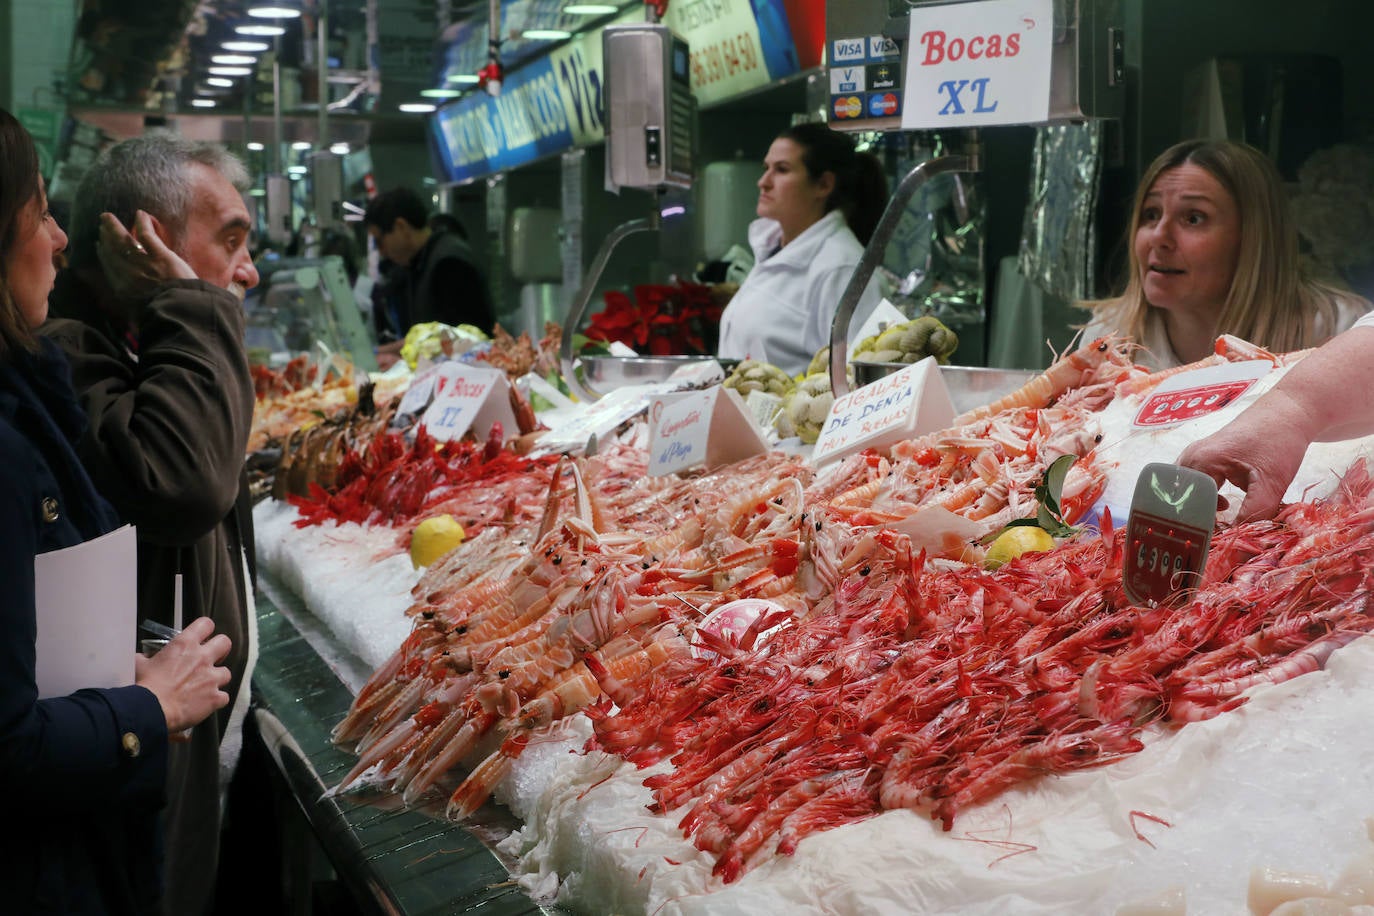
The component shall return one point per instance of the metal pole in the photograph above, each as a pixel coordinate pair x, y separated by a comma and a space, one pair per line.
322, 72
276, 108
873, 256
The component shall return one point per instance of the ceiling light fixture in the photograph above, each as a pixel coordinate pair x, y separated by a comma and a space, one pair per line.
296, 170
229, 71
440, 93
417, 107
245, 47
302, 144
256, 147
236, 60
463, 79
589, 9
202, 103
339, 149
273, 12
545, 34
260, 30
219, 81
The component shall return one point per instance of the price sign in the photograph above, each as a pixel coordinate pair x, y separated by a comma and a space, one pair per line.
469, 397
1169, 531
711, 427
970, 64
903, 405
1200, 392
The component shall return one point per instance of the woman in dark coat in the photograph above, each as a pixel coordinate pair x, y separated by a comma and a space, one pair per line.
84, 773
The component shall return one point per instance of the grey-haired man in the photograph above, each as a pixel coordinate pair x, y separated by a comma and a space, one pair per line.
150, 315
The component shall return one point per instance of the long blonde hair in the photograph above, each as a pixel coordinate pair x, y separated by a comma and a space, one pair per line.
1270, 302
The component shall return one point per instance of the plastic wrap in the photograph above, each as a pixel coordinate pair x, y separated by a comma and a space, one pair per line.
1059, 236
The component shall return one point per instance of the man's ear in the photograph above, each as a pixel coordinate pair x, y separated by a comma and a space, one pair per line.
162, 231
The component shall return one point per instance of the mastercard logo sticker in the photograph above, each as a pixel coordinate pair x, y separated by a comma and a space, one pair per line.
847, 107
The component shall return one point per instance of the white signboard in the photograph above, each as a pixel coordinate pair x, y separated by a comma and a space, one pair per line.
900, 406
711, 427
723, 35
971, 64
469, 397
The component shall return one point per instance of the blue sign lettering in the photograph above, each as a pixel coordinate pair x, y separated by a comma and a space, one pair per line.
676, 451
981, 84
952, 89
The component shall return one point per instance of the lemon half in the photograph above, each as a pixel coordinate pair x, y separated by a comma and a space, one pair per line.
433, 538
1013, 542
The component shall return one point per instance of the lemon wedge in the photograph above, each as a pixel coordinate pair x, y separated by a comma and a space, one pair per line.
433, 538
1013, 542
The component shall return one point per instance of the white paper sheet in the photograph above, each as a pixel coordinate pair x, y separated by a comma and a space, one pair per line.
86, 600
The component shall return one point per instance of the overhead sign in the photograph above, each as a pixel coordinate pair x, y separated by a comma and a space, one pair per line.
972, 64
728, 56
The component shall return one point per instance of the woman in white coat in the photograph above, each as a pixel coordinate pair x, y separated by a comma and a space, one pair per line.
819, 202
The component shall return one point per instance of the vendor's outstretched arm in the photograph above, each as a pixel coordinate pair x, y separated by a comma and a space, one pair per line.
1328, 395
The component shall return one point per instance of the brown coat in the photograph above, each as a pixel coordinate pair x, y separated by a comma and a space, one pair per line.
165, 445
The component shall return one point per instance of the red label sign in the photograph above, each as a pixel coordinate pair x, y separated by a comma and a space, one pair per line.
1168, 556
1189, 403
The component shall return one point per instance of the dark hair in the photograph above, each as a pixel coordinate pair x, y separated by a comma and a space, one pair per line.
860, 182
18, 186
398, 203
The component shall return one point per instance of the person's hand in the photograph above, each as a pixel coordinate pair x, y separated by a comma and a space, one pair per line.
186, 676
1257, 452
388, 354
136, 262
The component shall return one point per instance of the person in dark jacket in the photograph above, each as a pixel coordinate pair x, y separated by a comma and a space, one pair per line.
153, 325
87, 771
442, 279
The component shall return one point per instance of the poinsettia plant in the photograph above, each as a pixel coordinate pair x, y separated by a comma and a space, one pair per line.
662, 320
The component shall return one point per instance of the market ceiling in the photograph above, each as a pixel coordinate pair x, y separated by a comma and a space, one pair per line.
158, 55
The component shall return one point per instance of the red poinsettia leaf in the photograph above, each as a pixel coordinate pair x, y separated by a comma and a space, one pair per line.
660, 346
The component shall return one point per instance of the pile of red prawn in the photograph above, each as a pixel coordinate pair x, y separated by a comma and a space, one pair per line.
935, 691
899, 685
389, 482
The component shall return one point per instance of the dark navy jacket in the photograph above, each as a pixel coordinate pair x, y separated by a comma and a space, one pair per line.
83, 774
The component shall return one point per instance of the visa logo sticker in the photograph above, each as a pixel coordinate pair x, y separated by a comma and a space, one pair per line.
847, 50
846, 79
880, 46
846, 107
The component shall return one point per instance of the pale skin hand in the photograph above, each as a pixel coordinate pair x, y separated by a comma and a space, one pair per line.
1329, 395
186, 676
136, 262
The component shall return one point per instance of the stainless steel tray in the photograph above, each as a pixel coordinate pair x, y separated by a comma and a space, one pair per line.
605, 373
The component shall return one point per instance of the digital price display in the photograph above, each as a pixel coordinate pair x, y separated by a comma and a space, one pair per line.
1170, 529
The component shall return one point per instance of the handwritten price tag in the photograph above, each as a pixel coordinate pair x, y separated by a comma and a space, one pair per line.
469, 397
904, 404
711, 427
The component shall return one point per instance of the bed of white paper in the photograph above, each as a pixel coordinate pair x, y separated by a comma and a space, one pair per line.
1285, 781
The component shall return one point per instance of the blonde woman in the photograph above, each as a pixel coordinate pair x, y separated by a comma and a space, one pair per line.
1214, 251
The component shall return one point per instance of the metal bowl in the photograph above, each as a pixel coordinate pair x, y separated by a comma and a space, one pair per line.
969, 386
605, 373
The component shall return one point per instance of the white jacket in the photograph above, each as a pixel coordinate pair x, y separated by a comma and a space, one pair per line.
783, 311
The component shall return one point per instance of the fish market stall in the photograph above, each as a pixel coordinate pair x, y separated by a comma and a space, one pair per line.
917, 733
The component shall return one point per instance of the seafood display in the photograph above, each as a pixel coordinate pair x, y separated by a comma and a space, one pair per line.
891, 671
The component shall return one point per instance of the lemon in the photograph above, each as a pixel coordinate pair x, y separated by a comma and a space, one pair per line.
433, 538
1013, 542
